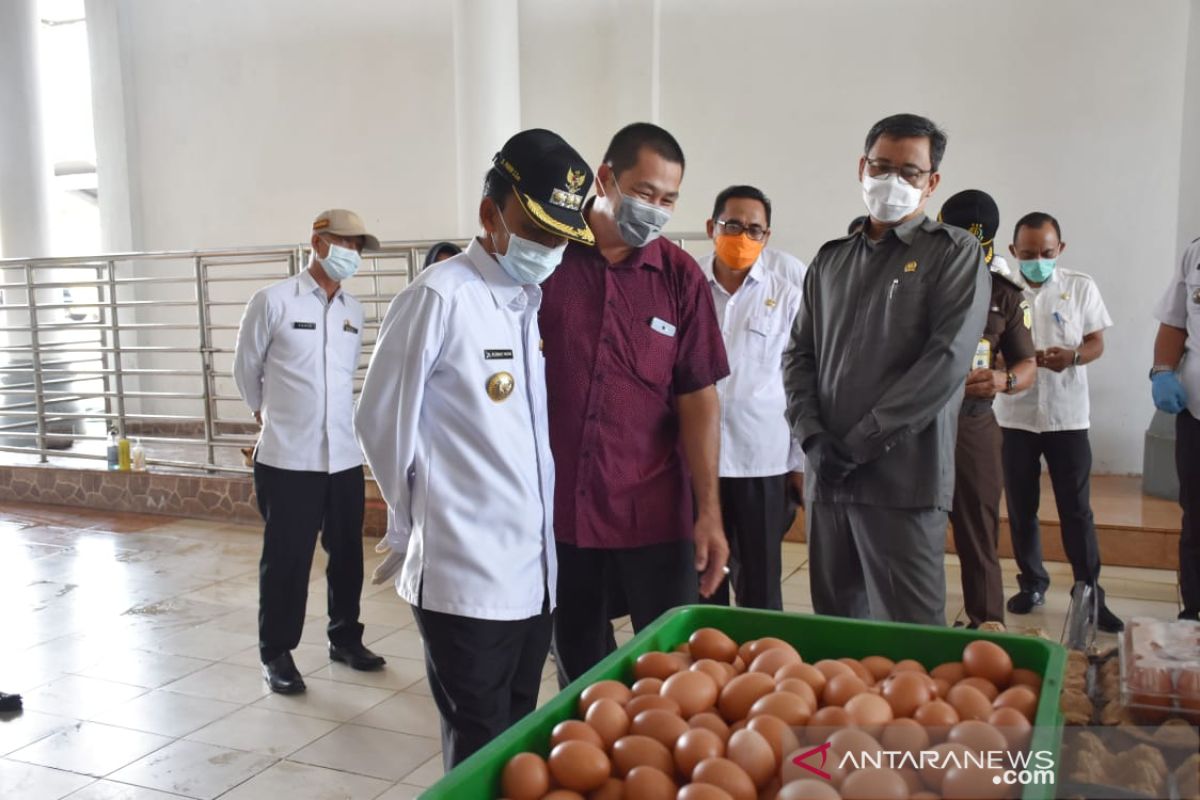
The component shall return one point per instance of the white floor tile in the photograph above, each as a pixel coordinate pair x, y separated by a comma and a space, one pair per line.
166, 713
397, 674
386, 755
405, 713
20, 730
327, 700
296, 781
232, 683
193, 769
111, 790
262, 730
143, 668
31, 782
75, 695
404, 643
428, 773
91, 748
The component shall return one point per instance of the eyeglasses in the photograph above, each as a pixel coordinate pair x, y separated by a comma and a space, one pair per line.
910, 173
734, 228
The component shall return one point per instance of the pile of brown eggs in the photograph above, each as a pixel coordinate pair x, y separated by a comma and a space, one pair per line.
717, 721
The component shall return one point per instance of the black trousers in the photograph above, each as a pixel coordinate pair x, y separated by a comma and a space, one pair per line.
975, 516
650, 580
295, 506
1069, 458
484, 675
1187, 463
755, 514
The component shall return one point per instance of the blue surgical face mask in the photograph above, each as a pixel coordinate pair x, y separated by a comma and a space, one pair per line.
340, 263
526, 261
1038, 270
638, 222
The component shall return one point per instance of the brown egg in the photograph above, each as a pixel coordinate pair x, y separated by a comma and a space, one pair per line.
869, 712
808, 789
857, 744
912, 779
874, 784
879, 666
613, 789
753, 649
712, 721
750, 751
609, 719
824, 721
938, 717
941, 687
693, 691
1021, 698
567, 794
1026, 677
647, 783
1013, 725
1187, 685
904, 736
656, 665
702, 791
636, 751
974, 782
695, 746
831, 668
933, 771
858, 669
731, 671
841, 688
613, 690
712, 643
988, 688
905, 692
778, 734
647, 687
1151, 689
988, 660
579, 766
725, 774
661, 725
805, 672
951, 672
645, 702
980, 737
925, 795
790, 708
739, 665
775, 659
574, 729
771, 790
741, 692
719, 671
799, 688
909, 664
525, 777
791, 769
969, 702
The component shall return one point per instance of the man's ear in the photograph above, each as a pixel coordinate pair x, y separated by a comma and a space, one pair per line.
862, 166
603, 173
708, 226
318, 244
1012, 248
1061, 247
487, 214
934, 180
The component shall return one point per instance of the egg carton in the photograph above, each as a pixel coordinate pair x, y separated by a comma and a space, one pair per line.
1160, 669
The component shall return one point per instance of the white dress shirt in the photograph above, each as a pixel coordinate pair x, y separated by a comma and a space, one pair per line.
468, 479
1180, 308
1065, 308
756, 322
785, 265
296, 355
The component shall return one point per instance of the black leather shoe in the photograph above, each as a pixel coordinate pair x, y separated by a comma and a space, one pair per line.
1024, 602
10, 702
356, 656
282, 676
1109, 622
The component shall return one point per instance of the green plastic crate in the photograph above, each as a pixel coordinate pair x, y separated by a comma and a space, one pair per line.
816, 637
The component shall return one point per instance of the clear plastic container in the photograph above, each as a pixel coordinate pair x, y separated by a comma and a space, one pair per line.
1160, 669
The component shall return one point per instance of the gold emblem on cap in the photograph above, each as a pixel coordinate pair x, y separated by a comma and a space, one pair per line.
910, 266
575, 179
500, 386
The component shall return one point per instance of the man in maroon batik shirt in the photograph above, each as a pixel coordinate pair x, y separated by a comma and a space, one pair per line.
633, 353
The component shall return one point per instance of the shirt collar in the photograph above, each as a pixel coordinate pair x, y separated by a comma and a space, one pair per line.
503, 288
307, 284
650, 255
907, 230
708, 266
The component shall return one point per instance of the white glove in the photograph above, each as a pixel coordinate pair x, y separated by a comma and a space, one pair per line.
387, 569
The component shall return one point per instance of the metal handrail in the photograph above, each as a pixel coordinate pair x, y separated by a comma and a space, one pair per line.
153, 366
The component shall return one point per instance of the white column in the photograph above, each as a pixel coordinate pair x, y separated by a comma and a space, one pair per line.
487, 94
25, 170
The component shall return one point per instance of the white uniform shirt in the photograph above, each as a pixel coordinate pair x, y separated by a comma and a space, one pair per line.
1180, 308
756, 323
786, 265
296, 355
468, 479
1065, 308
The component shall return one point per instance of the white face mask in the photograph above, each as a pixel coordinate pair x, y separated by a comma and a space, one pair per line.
527, 261
890, 199
340, 263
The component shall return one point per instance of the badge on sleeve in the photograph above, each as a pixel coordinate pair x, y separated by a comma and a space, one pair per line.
983, 355
1027, 315
500, 386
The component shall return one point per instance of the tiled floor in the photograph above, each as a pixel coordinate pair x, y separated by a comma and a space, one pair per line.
132, 638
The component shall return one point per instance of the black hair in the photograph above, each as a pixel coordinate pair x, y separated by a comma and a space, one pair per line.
627, 143
497, 187
1036, 219
432, 255
741, 193
908, 126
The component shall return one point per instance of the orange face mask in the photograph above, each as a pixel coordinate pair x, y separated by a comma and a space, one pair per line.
738, 252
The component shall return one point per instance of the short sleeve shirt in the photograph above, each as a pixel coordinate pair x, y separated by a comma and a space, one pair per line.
1180, 308
1008, 332
622, 342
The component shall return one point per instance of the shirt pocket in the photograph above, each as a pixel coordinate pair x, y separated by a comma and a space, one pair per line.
654, 352
1192, 287
905, 309
766, 337
1066, 326
344, 339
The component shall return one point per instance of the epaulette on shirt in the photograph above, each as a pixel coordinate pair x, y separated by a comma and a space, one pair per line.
1003, 279
839, 241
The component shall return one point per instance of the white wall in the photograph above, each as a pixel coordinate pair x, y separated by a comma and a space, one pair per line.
1189, 162
248, 117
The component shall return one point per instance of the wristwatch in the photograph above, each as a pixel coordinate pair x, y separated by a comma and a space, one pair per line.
1075, 361
1010, 381
1158, 369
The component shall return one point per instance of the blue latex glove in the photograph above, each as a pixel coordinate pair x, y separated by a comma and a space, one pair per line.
1169, 394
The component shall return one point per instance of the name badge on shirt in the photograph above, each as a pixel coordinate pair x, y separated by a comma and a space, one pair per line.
983, 355
304, 326
492, 355
662, 326
348, 328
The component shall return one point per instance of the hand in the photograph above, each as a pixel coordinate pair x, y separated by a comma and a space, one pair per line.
1056, 359
1169, 394
258, 418
829, 456
796, 487
390, 565
712, 553
981, 383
